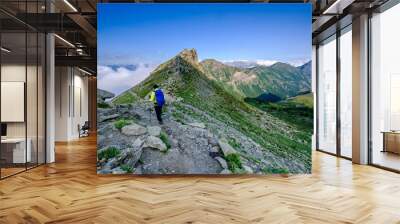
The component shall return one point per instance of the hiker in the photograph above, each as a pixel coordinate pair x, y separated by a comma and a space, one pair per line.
157, 97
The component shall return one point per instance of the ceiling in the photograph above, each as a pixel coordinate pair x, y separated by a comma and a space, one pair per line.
75, 22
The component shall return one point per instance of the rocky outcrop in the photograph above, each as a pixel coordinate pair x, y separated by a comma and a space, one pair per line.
225, 147
154, 130
247, 169
178, 161
189, 55
153, 142
130, 156
222, 162
108, 117
192, 148
133, 130
142, 149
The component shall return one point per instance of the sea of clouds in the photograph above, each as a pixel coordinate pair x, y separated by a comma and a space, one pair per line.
119, 78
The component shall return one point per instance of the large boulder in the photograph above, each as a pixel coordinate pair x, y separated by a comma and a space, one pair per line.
107, 117
130, 156
222, 162
133, 130
155, 143
154, 130
248, 169
138, 143
225, 147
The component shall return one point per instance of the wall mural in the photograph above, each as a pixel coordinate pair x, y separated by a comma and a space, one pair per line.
204, 89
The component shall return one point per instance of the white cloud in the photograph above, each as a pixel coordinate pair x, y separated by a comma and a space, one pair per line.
119, 79
266, 62
298, 62
240, 63
249, 63
230, 61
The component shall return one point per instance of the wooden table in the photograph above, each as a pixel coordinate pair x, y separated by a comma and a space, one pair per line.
391, 141
13, 150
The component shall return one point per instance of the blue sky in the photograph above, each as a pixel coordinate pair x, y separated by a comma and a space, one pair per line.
149, 34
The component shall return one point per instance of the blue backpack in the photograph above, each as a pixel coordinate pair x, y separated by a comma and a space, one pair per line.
160, 97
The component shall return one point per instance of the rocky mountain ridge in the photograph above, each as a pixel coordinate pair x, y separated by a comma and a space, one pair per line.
207, 129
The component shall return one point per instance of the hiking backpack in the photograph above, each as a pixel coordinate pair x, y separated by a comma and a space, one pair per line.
160, 97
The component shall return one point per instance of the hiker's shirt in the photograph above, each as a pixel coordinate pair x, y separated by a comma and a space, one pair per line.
153, 97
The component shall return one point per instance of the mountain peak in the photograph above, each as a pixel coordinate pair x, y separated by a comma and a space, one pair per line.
281, 64
185, 56
189, 55
305, 65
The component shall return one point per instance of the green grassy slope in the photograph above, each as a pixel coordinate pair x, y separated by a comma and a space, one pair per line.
297, 111
306, 99
127, 97
183, 79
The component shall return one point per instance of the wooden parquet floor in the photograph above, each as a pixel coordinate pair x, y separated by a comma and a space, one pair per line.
69, 191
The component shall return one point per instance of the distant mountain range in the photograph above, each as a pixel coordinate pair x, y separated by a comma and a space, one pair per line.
250, 79
280, 79
253, 63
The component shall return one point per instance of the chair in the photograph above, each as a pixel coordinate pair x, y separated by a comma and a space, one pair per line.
84, 130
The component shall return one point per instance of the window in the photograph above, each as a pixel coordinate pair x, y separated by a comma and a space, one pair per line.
22, 88
385, 89
346, 92
327, 95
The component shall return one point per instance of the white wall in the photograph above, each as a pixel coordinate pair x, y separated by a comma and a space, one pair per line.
13, 100
62, 82
16, 73
80, 110
12, 73
71, 102
33, 126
